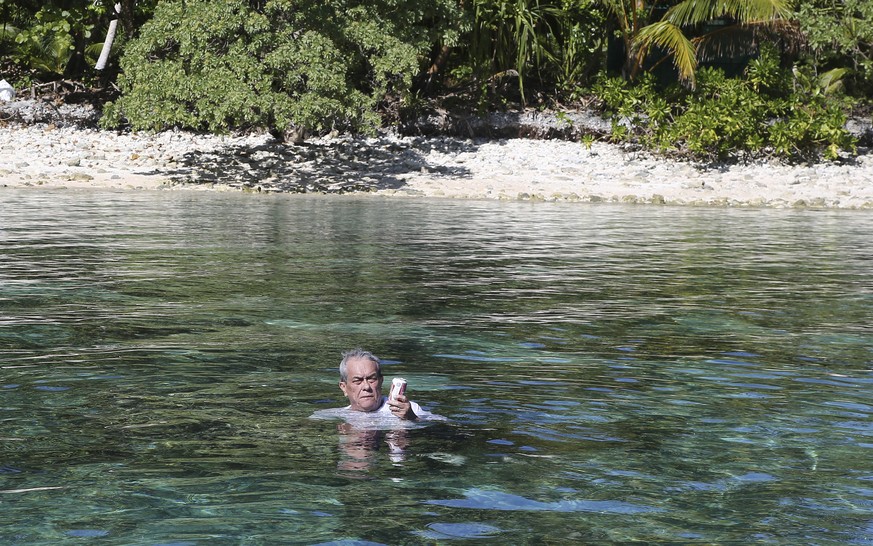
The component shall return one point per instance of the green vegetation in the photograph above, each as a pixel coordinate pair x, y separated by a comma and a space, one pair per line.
641, 34
555, 44
289, 66
768, 110
839, 35
703, 79
52, 41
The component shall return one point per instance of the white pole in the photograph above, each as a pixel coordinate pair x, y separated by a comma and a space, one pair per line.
107, 43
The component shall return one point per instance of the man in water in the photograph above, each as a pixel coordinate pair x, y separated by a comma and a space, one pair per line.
361, 382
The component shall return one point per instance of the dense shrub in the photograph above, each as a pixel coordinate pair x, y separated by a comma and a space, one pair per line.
839, 34
286, 65
768, 111
536, 45
319, 65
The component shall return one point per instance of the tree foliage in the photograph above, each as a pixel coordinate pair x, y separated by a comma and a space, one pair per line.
839, 34
287, 64
770, 110
318, 65
51, 39
552, 43
642, 32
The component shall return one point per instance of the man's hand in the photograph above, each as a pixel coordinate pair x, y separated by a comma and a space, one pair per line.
401, 407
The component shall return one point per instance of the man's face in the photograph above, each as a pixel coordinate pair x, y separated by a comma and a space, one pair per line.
363, 386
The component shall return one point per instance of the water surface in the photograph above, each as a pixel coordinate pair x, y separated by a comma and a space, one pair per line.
609, 373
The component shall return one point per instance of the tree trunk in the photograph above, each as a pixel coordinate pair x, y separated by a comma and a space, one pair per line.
107, 43
127, 17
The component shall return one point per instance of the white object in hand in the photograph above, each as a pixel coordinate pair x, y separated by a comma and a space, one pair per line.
398, 387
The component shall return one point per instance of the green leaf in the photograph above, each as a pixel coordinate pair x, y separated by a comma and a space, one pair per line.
695, 12
670, 37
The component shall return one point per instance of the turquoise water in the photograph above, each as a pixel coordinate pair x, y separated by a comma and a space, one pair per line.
609, 373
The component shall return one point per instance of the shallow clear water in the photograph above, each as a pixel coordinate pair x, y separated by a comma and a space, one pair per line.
610, 373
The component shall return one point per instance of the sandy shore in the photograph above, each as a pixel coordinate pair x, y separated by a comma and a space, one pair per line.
45, 156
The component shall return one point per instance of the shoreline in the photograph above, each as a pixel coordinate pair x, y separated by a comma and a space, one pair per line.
44, 156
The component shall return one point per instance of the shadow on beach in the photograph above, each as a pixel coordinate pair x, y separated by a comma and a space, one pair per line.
320, 166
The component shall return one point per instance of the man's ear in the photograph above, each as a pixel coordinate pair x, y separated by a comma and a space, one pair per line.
342, 386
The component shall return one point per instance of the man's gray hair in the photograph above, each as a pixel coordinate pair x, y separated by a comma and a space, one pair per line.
354, 354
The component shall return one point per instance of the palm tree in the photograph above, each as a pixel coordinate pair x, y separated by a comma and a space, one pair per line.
640, 35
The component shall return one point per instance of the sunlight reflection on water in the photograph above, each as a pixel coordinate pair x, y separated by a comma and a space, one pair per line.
608, 373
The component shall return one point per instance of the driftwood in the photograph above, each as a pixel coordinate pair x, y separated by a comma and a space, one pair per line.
56, 87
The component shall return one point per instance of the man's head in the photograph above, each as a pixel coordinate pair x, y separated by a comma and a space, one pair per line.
361, 379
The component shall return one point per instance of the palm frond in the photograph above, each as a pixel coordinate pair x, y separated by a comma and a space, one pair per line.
741, 40
619, 9
93, 50
52, 53
670, 37
695, 12
832, 81
8, 32
748, 11
727, 42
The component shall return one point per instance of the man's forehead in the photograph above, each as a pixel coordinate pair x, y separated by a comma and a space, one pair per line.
361, 367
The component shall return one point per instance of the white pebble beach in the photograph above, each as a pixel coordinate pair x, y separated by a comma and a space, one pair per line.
43, 156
